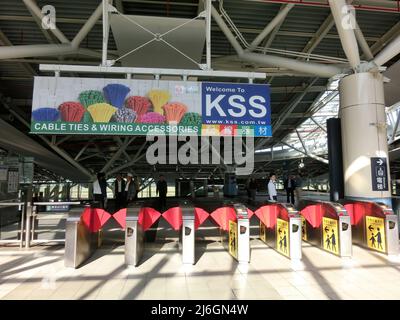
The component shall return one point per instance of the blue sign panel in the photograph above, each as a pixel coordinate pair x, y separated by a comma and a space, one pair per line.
237, 104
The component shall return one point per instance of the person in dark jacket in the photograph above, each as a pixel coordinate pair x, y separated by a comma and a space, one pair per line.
119, 192
162, 189
100, 189
290, 186
253, 189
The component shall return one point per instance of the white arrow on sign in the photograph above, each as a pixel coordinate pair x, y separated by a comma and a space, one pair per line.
380, 162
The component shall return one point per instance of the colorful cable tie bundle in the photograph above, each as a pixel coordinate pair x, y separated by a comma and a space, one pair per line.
89, 97
174, 112
191, 119
115, 94
71, 111
125, 115
101, 112
45, 114
158, 98
151, 117
138, 104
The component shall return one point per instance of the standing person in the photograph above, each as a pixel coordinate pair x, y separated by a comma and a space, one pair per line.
298, 186
290, 186
100, 189
119, 192
273, 195
137, 187
162, 189
252, 189
129, 189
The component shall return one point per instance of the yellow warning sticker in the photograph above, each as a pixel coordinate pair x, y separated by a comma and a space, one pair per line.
233, 238
330, 234
376, 239
282, 237
262, 232
303, 228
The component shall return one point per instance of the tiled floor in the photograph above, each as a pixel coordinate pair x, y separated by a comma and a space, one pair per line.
40, 274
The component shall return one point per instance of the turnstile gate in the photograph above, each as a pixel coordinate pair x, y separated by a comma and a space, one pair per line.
236, 239
374, 226
328, 226
80, 242
281, 229
135, 234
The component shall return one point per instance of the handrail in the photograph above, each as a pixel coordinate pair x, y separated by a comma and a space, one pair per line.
56, 203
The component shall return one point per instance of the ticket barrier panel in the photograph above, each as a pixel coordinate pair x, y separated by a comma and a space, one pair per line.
374, 226
331, 230
134, 236
188, 232
285, 236
80, 242
237, 238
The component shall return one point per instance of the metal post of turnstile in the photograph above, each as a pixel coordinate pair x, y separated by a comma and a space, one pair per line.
294, 232
243, 233
392, 234
188, 233
80, 242
134, 236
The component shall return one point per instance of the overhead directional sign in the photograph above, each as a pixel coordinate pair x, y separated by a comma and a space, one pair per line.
379, 174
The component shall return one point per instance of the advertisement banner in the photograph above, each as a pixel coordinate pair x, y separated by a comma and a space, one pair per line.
330, 235
233, 236
375, 228
282, 237
67, 105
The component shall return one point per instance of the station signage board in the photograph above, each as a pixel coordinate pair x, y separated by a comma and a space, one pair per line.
379, 174
68, 105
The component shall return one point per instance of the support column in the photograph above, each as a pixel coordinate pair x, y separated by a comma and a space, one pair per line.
363, 119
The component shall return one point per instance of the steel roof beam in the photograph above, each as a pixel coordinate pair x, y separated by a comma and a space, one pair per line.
275, 61
271, 26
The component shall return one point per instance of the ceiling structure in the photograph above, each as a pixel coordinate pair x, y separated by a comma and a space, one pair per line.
300, 103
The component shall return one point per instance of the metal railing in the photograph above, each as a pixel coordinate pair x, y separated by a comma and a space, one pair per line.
31, 216
21, 205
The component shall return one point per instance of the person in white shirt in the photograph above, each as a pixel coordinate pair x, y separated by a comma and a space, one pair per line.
272, 194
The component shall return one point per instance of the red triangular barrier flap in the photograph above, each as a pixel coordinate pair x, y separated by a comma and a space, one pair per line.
147, 217
250, 213
120, 217
174, 217
267, 214
102, 217
223, 215
86, 218
200, 215
313, 215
